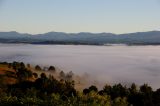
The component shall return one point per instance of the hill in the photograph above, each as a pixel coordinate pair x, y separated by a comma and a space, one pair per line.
138, 38
23, 85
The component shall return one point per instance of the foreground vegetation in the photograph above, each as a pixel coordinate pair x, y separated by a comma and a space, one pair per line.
22, 85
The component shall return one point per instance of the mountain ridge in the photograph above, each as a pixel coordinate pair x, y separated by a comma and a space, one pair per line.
139, 38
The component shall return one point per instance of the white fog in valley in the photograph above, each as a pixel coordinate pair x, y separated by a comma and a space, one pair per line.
105, 64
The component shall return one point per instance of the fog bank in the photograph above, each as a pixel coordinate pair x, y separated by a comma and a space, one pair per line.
104, 64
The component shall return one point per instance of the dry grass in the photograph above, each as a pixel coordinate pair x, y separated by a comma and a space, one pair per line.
5, 78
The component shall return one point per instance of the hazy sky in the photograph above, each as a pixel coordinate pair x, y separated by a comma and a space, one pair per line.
116, 16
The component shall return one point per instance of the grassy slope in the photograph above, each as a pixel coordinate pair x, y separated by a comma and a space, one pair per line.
8, 76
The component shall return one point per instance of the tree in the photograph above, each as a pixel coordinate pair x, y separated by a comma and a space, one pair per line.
119, 91
52, 68
43, 76
62, 75
37, 67
35, 75
86, 91
69, 76
134, 97
42, 83
93, 88
23, 74
147, 95
107, 89
22, 65
133, 88
145, 89
156, 97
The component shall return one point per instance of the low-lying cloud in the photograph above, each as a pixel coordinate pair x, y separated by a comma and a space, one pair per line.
104, 64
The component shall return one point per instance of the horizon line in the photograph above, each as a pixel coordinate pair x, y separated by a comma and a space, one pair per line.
81, 32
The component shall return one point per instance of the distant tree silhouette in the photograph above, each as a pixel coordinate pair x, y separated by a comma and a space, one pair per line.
37, 67
147, 95
69, 76
52, 68
156, 97
134, 96
62, 75
35, 75
107, 89
93, 88
22, 65
86, 91
119, 91
23, 74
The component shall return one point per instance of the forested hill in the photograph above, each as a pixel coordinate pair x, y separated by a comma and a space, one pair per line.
24, 85
138, 38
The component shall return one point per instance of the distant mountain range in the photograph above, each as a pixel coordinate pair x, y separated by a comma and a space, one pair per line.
84, 38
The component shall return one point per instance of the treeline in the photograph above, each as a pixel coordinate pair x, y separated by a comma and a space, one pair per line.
33, 89
66, 43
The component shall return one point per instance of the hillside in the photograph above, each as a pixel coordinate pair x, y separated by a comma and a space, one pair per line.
23, 85
8, 75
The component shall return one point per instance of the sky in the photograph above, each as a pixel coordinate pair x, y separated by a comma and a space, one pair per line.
73, 16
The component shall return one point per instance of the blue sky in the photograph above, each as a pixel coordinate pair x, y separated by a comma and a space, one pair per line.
115, 16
